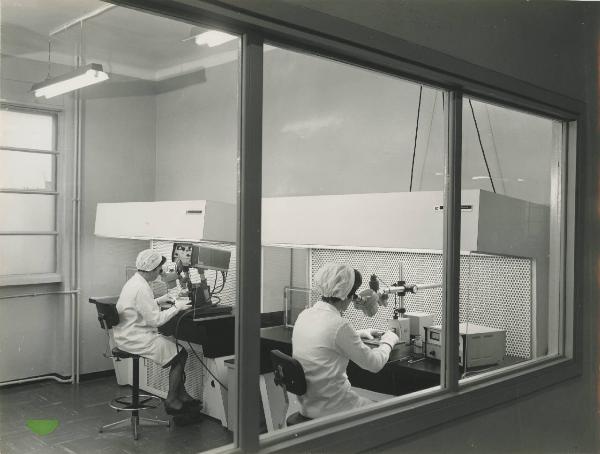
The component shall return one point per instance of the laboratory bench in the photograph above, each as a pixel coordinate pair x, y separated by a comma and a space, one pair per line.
398, 377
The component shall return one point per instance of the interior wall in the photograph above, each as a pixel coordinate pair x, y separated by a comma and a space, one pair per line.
196, 137
550, 45
118, 166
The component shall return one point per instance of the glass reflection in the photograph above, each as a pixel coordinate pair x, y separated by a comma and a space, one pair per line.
353, 164
505, 304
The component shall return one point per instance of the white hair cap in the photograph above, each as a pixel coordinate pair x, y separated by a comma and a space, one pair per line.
335, 280
148, 259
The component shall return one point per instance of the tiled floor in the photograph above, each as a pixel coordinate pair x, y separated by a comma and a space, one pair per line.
80, 410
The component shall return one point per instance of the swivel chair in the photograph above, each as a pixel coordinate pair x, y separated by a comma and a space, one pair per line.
289, 375
134, 403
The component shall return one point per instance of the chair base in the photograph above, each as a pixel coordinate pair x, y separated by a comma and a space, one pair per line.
135, 422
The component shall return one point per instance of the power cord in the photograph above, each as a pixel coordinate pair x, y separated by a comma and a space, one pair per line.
179, 346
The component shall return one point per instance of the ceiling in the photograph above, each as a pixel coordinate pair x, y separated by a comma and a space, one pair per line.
127, 42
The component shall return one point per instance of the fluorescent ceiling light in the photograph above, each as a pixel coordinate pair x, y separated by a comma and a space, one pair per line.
81, 77
213, 38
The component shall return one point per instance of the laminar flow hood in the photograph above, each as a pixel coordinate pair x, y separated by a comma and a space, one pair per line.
490, 223
188, 220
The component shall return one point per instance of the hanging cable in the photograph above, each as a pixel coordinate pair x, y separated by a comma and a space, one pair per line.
412, 167
428, 140
49, 51
481, 146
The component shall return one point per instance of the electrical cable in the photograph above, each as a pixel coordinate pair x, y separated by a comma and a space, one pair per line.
481, 146
178, 345
428, 140
412, 167
206, 367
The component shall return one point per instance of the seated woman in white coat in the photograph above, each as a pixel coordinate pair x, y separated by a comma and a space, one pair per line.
139, 319
323, 342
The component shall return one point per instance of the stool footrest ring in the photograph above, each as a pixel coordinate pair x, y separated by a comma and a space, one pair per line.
125, 403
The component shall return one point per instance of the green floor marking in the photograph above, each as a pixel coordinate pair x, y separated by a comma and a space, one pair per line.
42, 426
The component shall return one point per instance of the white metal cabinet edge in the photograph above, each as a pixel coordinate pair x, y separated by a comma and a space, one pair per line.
187, 220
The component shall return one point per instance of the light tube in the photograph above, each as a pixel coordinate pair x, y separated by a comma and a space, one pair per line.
81, 77
213, 38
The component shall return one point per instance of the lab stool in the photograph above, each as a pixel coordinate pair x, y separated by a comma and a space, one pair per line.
109, 317
134, 402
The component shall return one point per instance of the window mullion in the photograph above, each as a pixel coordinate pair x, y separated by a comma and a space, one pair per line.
451, 246
249, 245
30, 150
29, 232
28, 191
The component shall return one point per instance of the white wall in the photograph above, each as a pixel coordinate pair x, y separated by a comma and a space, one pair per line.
118, 166
196, 138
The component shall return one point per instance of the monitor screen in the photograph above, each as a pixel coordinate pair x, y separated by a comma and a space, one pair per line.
182, 252
201, 256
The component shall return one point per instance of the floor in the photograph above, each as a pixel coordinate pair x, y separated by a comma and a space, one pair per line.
80, 410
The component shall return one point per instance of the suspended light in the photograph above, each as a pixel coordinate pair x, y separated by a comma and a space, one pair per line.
81, 77
213, 38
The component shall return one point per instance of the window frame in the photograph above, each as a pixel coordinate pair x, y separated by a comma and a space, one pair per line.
57, 192
316, 33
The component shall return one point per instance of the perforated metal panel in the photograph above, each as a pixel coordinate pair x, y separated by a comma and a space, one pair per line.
228, 295
495, 291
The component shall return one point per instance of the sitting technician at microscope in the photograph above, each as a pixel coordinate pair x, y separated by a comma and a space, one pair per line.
323, 342
139, 318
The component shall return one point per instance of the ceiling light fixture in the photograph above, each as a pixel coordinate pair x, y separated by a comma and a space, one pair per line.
211, 38
81, 77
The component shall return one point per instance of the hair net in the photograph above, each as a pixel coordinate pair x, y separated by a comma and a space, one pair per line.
334, 280
148, 260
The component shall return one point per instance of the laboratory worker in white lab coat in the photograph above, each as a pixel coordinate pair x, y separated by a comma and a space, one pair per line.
324, 341
139, 319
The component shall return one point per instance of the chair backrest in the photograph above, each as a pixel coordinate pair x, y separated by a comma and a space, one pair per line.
288, 373
107, 313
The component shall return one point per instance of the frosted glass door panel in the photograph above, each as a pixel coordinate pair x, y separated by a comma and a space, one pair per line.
27, 212
27, 254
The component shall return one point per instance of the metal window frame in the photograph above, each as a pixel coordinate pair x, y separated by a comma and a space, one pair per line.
321, 34
55, 276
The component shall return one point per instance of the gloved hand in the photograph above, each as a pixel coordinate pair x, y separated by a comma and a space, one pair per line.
165, 299
368, 302
367, 333
390, 338
183, 304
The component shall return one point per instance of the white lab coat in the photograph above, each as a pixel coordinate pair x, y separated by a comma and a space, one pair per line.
139, 319
323, 342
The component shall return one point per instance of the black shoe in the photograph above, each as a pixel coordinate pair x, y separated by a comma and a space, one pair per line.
192, 404
174, 411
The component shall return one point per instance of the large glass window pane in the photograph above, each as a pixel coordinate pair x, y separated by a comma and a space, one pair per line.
20, 170
506, 302
27, 254
164, 129
27, 212
27, 130
353, 169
